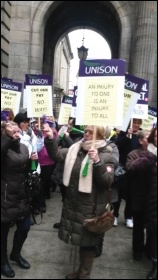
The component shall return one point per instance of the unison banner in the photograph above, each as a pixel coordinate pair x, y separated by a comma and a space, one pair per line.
39, 95
74, 102
100, 92
151, 121
141, 108
131, 96
10, 95
65, 110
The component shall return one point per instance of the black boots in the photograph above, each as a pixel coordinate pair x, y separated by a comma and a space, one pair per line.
153, 273
18, 242
6, 269
56, 225
19, 260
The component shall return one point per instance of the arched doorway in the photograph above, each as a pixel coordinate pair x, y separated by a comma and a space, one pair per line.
53, 20
38, 26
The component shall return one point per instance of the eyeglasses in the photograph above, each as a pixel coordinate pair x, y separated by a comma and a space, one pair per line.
89, 131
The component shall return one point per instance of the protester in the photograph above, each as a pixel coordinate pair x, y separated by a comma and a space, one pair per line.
28, 138
15, 205
126, 142
152, 208
46, 163
65, 140
27, 135
80, 191
139, 163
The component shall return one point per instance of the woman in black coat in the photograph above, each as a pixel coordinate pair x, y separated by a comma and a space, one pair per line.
83, 189
15, 205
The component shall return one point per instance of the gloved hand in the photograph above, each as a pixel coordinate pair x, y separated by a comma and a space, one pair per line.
40, 134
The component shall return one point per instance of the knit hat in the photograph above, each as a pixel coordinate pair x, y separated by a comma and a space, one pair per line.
20, 117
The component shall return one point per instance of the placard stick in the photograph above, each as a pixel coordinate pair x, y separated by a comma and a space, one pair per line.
39, 123
85, 169
131, 125
94, 136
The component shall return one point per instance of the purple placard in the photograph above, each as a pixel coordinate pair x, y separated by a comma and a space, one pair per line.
152, 111
138, 85
6, 79
102, 67
133, 83
9, 85
38, 80
75, 96
67, 100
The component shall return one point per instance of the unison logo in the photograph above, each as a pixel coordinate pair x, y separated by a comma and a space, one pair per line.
38, 81
8, 86
101, 70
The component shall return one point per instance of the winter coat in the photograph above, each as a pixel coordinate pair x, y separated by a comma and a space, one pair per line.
78, 205
139, 164
126, 145
43, 158
14, 201
65, 142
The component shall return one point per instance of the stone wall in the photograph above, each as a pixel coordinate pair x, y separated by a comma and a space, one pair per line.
25, 44
5, 36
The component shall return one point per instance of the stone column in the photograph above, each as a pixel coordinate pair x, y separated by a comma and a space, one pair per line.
19, 40
145, 43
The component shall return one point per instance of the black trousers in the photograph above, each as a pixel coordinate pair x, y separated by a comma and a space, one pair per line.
138, 238
20, 236
123, 193
46, 172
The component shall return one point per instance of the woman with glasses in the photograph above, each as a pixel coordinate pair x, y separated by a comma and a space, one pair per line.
88, 173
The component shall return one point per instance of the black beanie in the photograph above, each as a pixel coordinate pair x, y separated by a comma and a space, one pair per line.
20, 117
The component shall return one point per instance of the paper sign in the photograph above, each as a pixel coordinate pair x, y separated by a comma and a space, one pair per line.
151, 121
141, 108
100, 92
39, 95
10, 95
65, 110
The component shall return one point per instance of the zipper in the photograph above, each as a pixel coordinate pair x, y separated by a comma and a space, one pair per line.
5, 193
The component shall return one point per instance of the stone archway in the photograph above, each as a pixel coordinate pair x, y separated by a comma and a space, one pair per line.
48, 11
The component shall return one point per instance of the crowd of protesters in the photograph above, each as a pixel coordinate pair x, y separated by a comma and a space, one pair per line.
61, 154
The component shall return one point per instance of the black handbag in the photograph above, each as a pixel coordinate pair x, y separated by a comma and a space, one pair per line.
119, 173
33, 184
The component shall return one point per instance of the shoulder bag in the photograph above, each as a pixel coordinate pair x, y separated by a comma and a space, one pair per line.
100, 224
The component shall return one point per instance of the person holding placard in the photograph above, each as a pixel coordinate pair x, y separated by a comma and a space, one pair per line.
88, 172
71, 135
126, 142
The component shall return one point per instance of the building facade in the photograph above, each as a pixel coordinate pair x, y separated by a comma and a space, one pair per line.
32, 30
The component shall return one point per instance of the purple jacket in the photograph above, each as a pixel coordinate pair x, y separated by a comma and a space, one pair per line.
43, 157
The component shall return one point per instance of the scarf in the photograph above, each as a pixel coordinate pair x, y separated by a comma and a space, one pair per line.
85, 182
151, 148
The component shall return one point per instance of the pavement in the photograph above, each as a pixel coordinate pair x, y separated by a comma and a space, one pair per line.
51, 258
